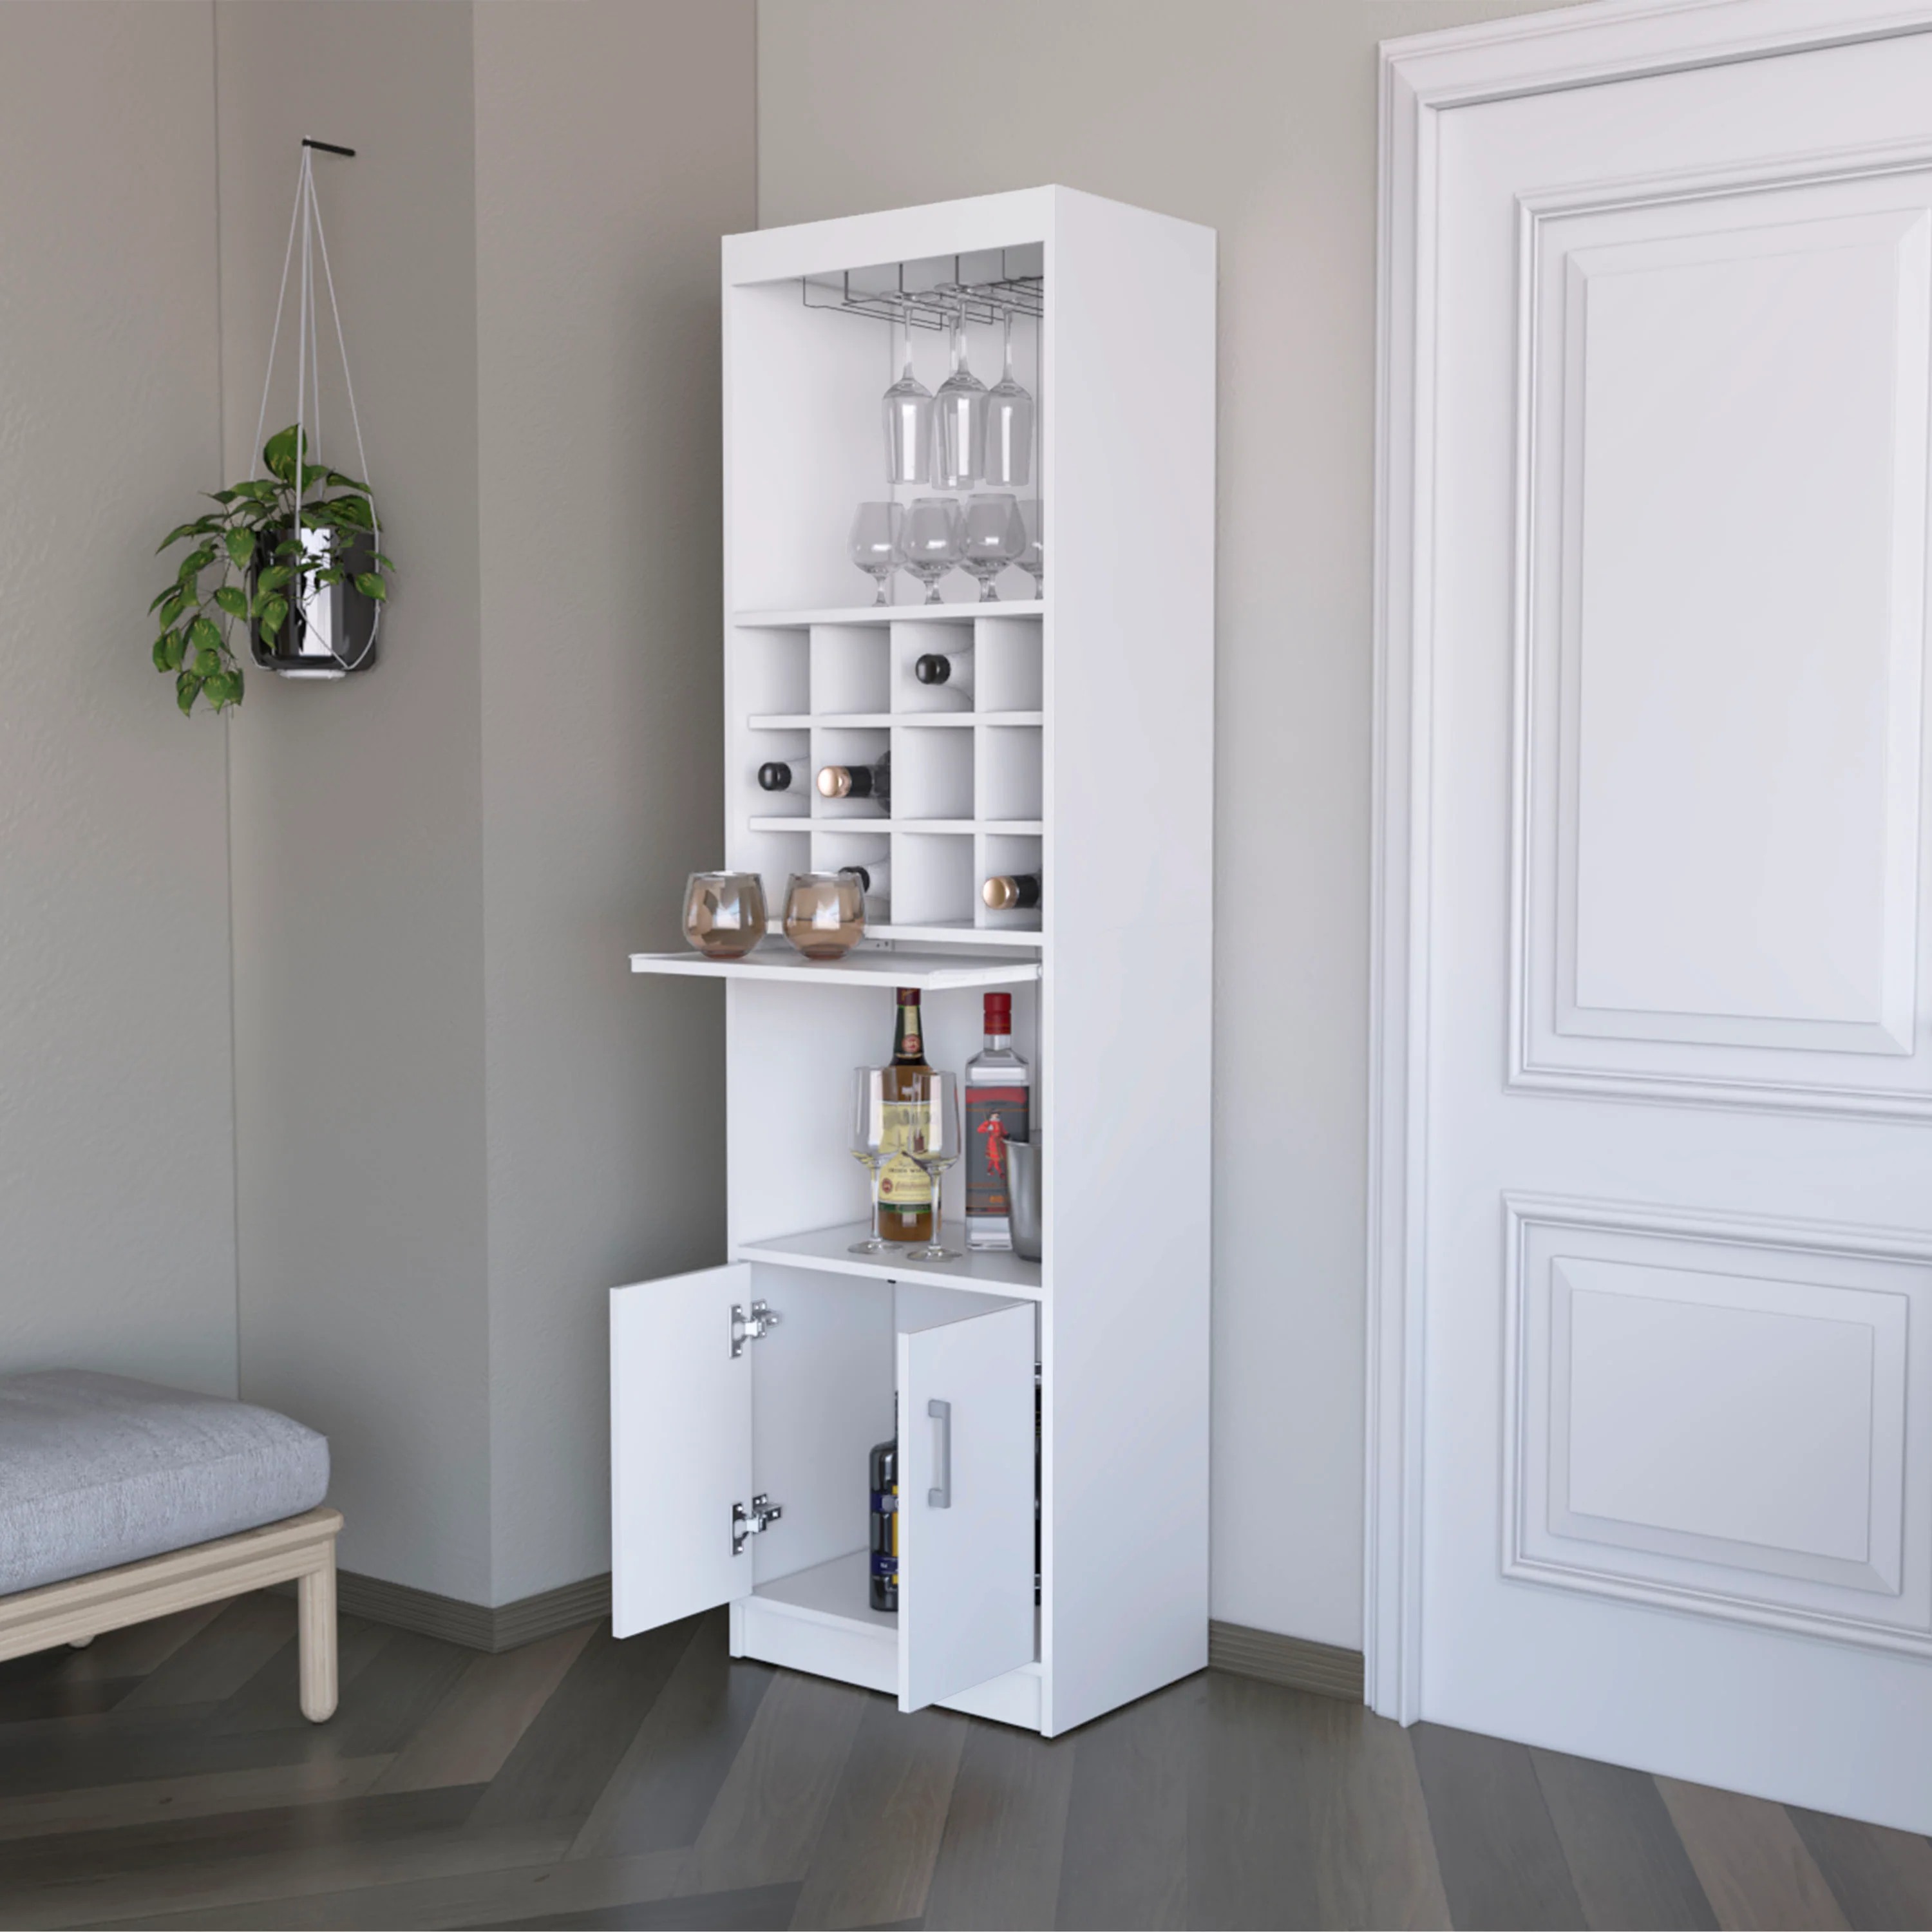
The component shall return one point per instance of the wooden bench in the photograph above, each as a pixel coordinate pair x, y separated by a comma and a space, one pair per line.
299, 1548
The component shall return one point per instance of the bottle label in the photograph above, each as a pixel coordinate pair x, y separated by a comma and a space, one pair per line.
995, 1115
886, 1531
905, 1187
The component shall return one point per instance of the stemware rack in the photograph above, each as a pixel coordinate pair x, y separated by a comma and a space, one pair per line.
986, 285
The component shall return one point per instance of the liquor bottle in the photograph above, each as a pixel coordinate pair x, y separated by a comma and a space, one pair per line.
1016, 891
875, 877
884, 1461
954, 667
859, 782
999, 1092
775, 776
905, 1188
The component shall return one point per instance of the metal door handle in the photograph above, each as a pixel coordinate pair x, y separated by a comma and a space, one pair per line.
941, 1497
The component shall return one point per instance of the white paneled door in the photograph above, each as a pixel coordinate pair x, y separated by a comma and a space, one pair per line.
1655, 1388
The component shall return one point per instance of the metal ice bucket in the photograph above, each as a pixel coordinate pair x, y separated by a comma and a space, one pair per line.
1024, 1159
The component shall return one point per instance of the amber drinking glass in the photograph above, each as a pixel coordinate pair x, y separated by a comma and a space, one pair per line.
725, 913
824, 913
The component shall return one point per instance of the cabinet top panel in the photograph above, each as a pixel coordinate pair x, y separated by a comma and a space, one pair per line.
931, 972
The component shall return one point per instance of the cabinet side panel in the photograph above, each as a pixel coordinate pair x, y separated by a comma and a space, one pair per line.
1127, 1002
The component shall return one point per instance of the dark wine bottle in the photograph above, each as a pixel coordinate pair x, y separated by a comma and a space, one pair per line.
775, 776
875, 877
884, 1461
1014, 892
858, 780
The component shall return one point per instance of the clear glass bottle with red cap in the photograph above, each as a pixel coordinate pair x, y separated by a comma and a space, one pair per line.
999, 1104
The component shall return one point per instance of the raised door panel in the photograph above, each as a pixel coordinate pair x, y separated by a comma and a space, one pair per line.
1721, 690
966, 1503
680, 1446
1722, 1415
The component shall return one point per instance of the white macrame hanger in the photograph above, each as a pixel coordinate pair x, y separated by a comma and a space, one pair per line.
306, 220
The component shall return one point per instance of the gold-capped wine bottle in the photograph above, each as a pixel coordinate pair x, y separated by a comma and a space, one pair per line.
905, 1188
858, 781
1012, 892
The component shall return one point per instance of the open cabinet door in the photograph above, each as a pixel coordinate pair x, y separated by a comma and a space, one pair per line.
966, 1487
680, 1446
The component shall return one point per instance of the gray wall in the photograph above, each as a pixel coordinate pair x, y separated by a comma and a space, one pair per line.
1257, 117
613, 147
117, 1200
461, 1121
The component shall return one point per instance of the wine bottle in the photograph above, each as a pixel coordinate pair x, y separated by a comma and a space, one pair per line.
875, 877
775, 776
1015, 892
999, 1092
884, 1470
858, 780
954, 667
905, 1188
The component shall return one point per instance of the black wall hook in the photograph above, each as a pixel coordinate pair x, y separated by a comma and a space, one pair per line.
329, 147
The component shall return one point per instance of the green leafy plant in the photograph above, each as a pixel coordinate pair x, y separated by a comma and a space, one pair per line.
248, 564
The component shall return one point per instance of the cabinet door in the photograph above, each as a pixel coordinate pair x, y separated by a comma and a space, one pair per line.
680, 1446
966, 1488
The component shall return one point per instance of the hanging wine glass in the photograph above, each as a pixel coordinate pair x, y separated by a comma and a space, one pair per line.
908, 423
959, 413
1009, 418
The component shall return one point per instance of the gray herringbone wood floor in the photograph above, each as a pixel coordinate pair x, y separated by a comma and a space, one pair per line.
164, 1777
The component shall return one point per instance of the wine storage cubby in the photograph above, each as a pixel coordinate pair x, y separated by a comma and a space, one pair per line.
966, 762
997, 739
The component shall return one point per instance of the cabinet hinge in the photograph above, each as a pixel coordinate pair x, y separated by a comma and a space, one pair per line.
762, 1320
763, 1514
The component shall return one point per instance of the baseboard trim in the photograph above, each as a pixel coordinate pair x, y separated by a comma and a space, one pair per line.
1296, 1661
476, 1626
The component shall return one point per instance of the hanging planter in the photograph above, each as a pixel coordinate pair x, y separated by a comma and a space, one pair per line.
293, 555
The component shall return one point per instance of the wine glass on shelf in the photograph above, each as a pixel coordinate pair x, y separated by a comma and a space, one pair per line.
1010, 420
991, 536
959, 415
930, 543
1033, 559
874, 543
870, 1147
933, 1142
908, 423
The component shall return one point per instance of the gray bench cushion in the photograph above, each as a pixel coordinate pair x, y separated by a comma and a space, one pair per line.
97, 1470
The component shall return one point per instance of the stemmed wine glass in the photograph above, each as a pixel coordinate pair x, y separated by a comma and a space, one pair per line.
959, 413
874, 543
908, 424
1032, 559
934, 1131
1009, 418
870, 1147
930, 544
992, 536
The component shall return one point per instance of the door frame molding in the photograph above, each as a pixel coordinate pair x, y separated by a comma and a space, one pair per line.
1423, 76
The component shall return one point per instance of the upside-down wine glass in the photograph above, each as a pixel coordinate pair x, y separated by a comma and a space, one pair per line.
991, 537
959, 415
908, 424
1009, 419
929, 544
874, 543
869, 1146
934, 1132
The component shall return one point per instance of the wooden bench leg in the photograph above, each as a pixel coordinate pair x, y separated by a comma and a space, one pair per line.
315, 1619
